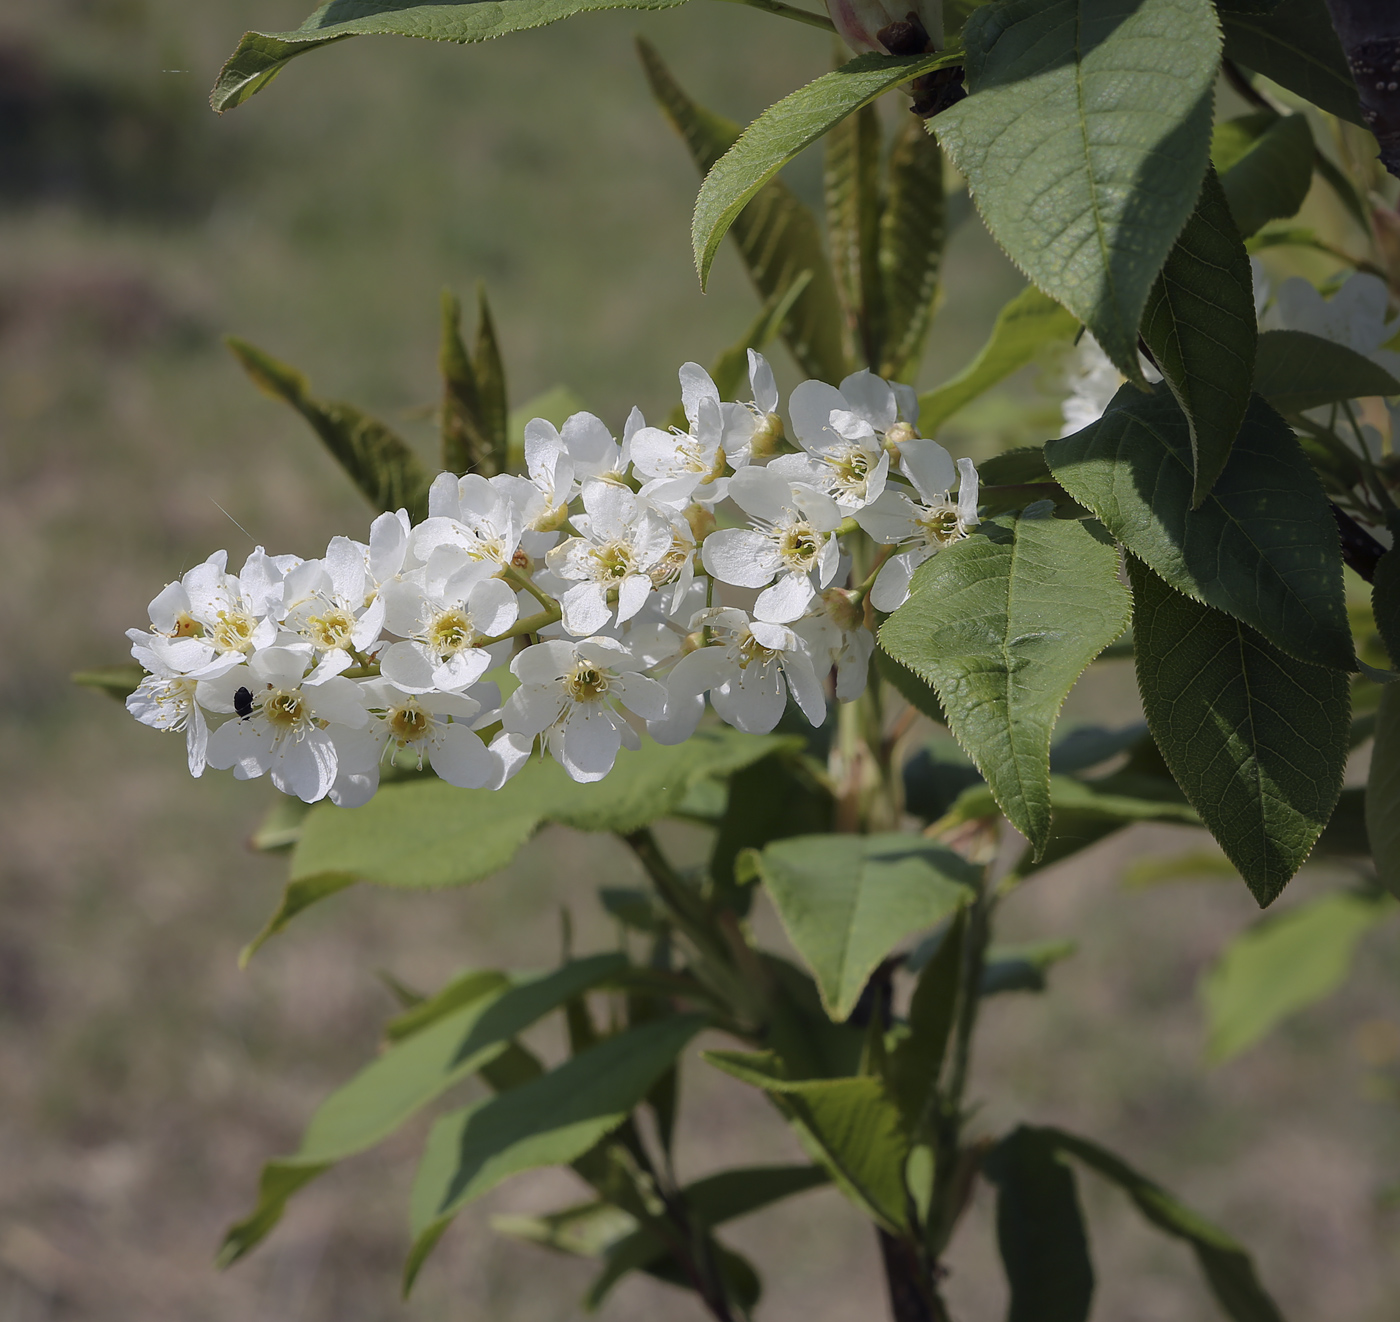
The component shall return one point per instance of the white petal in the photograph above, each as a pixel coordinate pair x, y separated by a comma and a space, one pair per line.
786, 600
196, 741
753, 700
872, 398
443, 500
967, 492
740, 557
907, 398
461, 759
531, 710
282, 667
761, 492
588, 743
410, 666
305, 767
891, 588
510, 752
340, 701
765, 389
586, 608
806, 689
354, 789
242, 744
929, 467
493, 607
388, 543
890, 519
632, 596
405, 607
810, 407
462, 670
544, 662
644, 696
696, 386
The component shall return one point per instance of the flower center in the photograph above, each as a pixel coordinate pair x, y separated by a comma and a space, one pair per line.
587, 683
331, 630
450, 632
940, 525
750, 650
285, 709
799, 546
186, 626
614, 560
233, 631
852, 470
409, 723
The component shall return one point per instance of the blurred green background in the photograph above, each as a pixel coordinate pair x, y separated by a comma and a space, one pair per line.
143, 1077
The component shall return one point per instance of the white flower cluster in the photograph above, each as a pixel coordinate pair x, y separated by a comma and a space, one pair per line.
620, 582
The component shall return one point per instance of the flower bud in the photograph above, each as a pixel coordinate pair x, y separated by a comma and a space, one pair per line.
891, 27
701, 521
845, 611
768, 439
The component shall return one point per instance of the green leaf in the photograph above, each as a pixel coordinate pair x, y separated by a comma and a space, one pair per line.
845, 900
1383, 792
427, 833
473, 414
988, 625
851, 179
1296, 371
1283, 965
784, 129
913, 232
1022, 968
406, 1078
917, 1059
1040, 1230
917, 692
1257, 742
1200, 326
296, 896
1227, 1268
465, 989
1084, 141
1297, 46
1028, 323
387, 472
1262, 547
550, 1121
261, 56
116, 681
849, 1126
280, 827
1194, 865
1266, 167
778, 236
770, 800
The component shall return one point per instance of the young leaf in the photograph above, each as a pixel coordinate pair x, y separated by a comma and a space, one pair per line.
116, 681
913, 231
1040, 1230
1296, 45
778, 237
851, 175
1263, 546
988, 626
1200, 326
1022, 968
1257, 742
1084, 142
1266, 167
389, 475
428, 833
784, 129
1023, 327
550, 1121
473, 413
851, 1127
845, 900
261, 56
1226, 1266
915, 1063
1296, 371
1281, 966
407, 1077
1383, 792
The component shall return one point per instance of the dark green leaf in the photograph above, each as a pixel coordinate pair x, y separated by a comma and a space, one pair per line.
389, 475
917, 1058
1383, 792
1257, 741
1084, 142
261, 56
1296, 371
851, 175
784, 129
116, 681
1283, 965
1227, 1268
849, 1126
988, 626
801, 1035
918, 693
1028, 323
1081, 749
932, 783
1022, 968
1023, 465
913, 231
1201, 329
473, 414
550, 1121
846, 900
1040, 1230
1263, 547
1266, 167
778, 237
1297, 46
407, 1077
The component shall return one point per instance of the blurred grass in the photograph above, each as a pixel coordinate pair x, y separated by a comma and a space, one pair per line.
142, 1077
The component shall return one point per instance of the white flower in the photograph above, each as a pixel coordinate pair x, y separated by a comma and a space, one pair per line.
748, 672
590, 446
836, 637
931, 523
167, 698
389, 555
543, 498
232, 612
472, 515
445, 612
435, 726
791, 541
568, 693
291, 725
331, 605
622, 542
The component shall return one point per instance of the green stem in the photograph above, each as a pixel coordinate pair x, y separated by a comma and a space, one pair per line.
790, 11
